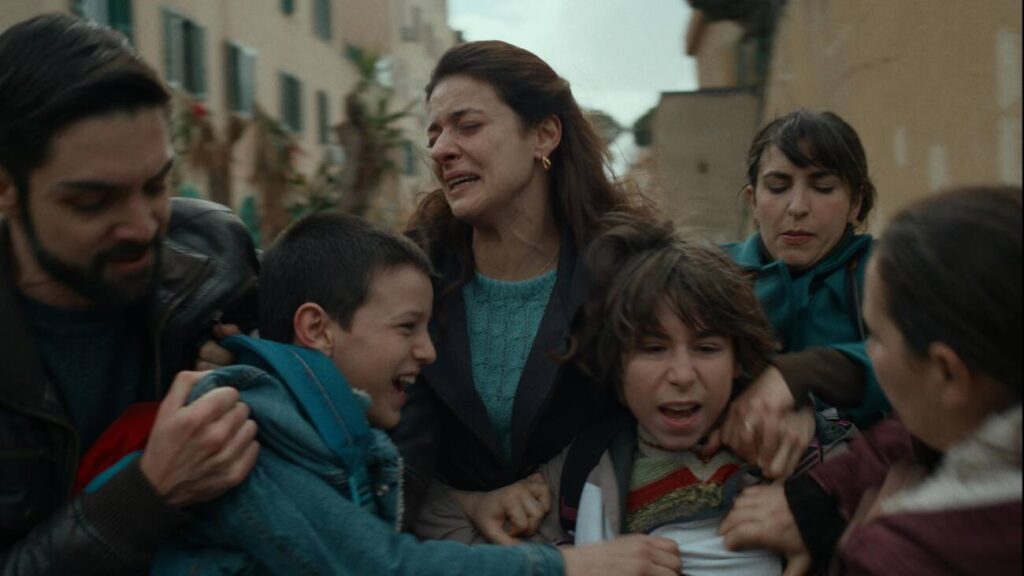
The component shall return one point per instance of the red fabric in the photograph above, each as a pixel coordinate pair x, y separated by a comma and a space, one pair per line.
679, 479
128, 433
646, 494
969, 540
983, 540
723, 474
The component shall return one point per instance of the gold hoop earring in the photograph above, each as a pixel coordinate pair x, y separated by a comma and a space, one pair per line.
545, 162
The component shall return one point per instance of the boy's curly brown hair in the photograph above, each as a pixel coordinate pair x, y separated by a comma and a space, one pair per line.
638, 264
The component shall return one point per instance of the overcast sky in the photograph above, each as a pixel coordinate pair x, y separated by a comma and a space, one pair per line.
617, 54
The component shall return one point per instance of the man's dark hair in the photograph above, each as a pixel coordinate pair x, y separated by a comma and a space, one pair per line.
330, 259
56, 69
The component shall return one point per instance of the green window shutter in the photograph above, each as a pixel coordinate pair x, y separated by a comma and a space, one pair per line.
285, 107
323, 117
248, 78
322, 19
287, 6
297, 103
409, 157
291, 102
184, 53
197, 60
250, 215
119, 15
233, 68
241, 77
172, 39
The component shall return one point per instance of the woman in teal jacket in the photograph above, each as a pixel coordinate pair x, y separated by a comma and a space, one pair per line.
808, 186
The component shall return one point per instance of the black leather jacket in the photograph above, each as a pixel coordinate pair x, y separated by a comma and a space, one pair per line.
208, 270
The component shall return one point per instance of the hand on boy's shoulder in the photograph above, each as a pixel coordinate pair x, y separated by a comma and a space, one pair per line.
764, 427
211, 354
198, 451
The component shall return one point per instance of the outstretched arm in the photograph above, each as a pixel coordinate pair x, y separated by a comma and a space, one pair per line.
498, 517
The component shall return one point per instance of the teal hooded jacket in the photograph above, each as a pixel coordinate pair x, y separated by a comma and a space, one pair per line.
820, 306
325, 494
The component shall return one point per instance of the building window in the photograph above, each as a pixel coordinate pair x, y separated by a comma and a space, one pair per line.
323, 117
288, 6
184, 53
383, 71
114, 13
410, 158
322, 18
241, 71
410, 31
249, 212
291, 102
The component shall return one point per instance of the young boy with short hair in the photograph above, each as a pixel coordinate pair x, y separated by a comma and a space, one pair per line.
360, 294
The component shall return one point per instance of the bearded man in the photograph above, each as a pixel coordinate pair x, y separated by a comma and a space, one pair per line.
107, 288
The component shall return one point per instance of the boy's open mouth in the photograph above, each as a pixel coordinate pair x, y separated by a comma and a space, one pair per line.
680, 415
679, 411
402, 382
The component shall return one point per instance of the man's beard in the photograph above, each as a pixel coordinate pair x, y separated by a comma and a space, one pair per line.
88, 281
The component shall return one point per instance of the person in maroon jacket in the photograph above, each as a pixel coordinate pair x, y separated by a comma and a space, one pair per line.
937, 489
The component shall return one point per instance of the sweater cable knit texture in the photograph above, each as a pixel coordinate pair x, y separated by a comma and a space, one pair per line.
503, 318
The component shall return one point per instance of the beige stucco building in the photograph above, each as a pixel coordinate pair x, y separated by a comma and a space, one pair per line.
700, 145
700, 137
286, 57
933, 87
413, 34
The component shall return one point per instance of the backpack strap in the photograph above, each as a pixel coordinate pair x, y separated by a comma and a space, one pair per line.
324, 395
584, 455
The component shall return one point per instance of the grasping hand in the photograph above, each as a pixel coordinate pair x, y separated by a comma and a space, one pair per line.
795, 432
199, 451
763, 428
761, 518
211, 354
503, 514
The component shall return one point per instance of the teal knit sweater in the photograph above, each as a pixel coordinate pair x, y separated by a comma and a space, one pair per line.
503, 319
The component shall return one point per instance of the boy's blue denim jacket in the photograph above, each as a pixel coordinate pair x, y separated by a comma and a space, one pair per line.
295, 512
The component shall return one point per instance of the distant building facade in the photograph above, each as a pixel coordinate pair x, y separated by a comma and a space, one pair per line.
700, 143
699, 138
933, 89
286, 57
413, 34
